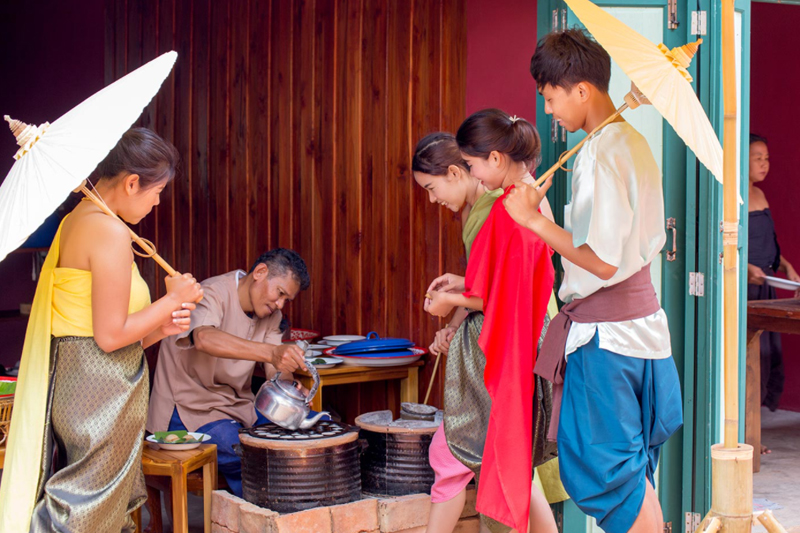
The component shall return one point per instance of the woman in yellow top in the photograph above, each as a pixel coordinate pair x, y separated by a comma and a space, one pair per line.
83, 383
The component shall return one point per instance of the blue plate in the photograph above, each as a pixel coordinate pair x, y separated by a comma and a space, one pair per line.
373, 355
373, 343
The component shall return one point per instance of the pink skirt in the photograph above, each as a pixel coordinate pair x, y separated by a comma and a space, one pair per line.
451, 474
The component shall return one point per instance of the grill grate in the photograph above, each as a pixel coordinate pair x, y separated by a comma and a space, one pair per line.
323, 429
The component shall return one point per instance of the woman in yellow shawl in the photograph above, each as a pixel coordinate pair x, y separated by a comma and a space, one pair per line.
83, 382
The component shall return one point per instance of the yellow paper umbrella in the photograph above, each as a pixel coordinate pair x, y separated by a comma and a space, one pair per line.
659, 77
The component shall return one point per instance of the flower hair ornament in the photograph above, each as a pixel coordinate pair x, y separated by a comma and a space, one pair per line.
514, 119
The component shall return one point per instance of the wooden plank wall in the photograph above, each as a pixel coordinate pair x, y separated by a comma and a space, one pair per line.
296, 121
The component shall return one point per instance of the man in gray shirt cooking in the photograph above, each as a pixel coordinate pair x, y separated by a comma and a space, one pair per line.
203, 376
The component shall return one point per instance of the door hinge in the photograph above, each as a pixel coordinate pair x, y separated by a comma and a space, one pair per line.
699, 22
692, 522
697, 283
667, 527
672, 10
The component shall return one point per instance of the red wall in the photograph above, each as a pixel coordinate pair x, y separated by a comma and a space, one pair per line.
501, 38
775, 114
52, 58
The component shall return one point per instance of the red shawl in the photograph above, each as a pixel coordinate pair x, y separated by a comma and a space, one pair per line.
511, 269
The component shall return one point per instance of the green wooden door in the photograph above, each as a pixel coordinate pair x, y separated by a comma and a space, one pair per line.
693, 200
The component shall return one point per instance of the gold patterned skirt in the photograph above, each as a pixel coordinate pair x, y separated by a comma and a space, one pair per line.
467, 405
97, 409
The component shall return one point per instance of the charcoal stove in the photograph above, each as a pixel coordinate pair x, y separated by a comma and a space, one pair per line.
293, 470
395, 459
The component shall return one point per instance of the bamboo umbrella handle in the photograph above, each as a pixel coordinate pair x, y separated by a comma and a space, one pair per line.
565, 157
433, 376
141, 242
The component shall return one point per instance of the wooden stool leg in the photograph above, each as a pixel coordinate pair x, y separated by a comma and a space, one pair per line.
180, 504
208, 486
156, 524
137, 519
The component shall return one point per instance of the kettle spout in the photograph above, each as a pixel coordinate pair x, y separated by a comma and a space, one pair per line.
309, 422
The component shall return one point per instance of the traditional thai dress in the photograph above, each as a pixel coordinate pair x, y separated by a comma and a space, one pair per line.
763, 251
621, 393
490, 423
89, 404
452, 476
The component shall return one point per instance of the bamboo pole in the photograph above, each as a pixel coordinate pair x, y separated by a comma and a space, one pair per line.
712, 526
768, 521
732, 487
730, 238
141, 242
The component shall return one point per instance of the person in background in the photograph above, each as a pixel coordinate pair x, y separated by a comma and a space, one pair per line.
764, 259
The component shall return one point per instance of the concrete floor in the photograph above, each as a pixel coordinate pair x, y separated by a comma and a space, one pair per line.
195, 515
778, 481
779, 478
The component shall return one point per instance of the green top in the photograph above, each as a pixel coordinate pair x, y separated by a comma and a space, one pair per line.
477, 216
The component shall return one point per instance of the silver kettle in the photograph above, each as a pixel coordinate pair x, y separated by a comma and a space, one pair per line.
282, 403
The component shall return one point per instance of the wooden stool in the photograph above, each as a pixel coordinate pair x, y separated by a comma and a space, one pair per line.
2, 456
177, 466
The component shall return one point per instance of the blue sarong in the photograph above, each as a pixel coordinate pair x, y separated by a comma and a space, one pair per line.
616, 413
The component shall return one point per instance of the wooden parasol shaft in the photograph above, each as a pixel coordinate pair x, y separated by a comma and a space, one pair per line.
730, 228
141, 242
433, 376
565, 156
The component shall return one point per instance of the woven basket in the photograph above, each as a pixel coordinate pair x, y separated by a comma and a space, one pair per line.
6, 404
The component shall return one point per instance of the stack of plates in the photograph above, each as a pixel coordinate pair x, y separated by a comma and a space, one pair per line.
338, 340
375, 351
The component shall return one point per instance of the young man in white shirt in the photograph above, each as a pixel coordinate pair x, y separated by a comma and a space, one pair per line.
621, 395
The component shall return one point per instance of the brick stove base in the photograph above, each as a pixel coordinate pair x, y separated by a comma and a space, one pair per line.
404, 514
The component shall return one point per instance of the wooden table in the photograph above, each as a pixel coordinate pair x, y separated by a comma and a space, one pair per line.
176, 466
344, 374
782, 316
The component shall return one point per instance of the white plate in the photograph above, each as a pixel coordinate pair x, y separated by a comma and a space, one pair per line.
780, 283
318, 347
330, 362
311, 354
202, 437
336, 340
384, 361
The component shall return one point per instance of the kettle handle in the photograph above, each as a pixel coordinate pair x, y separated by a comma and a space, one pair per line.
315, 375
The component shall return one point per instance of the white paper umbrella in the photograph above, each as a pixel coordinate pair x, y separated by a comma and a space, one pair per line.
54, 159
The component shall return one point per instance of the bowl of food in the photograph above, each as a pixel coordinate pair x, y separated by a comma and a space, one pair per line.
325, 362
178, 440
